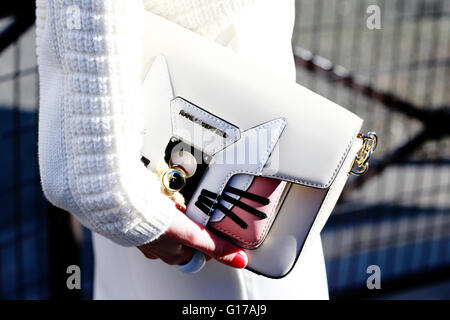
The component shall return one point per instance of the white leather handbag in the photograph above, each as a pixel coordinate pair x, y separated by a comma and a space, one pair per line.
254, 157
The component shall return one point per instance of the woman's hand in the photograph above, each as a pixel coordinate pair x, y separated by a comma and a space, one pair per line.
175, 245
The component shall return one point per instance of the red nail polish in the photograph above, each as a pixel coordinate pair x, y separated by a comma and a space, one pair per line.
180, 207
240, 260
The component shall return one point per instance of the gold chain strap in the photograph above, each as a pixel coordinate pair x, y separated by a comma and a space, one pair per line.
361, 163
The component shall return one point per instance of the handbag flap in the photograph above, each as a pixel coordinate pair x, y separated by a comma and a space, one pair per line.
318, 133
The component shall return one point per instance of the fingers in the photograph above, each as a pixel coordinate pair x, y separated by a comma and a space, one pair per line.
194, 235
181, 258
168, 251
147, 253
175, 246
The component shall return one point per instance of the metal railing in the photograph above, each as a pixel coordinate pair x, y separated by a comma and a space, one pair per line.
23, 225
397, 216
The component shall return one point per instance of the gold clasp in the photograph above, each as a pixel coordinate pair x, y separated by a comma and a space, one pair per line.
361, 162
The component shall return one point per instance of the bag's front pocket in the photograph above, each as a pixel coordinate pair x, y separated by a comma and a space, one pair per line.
245, 216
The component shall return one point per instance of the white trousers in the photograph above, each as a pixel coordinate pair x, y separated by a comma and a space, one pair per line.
124, 273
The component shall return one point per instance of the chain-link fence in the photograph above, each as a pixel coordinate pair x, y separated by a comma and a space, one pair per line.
397, 79
24, 271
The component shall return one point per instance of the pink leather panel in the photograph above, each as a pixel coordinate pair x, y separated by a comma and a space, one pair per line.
257, 227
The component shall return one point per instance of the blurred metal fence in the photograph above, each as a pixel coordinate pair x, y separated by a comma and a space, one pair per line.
36, 240
397, 217
23, 224
397, 79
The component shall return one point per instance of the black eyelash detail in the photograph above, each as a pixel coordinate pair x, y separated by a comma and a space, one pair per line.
217, 205
243, 206
247, 195
208, 201
145, 161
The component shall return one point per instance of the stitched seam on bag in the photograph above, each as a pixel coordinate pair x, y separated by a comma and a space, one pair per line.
262, 233
265, 157
333, 176
325, 202
323, 206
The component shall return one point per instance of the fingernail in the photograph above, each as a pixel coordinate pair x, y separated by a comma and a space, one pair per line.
180, 207
240, 260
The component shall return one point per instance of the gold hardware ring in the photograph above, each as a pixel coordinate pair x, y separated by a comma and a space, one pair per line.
361, 162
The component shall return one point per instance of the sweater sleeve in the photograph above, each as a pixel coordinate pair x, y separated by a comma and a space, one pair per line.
90, 117
205, 17
90, 121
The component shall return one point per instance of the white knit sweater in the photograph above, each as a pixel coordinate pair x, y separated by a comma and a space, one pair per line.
90, 119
